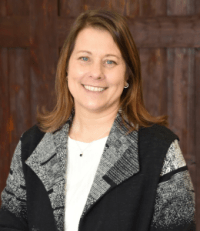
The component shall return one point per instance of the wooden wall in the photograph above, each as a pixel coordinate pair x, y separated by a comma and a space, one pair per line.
166, 32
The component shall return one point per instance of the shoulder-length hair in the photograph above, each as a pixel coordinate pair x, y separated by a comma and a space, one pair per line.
131, 101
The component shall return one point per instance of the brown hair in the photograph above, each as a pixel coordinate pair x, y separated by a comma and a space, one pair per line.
131, 102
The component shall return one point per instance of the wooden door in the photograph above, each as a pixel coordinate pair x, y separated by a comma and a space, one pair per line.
166, 32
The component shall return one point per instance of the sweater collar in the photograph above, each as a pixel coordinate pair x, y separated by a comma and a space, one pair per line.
119, 161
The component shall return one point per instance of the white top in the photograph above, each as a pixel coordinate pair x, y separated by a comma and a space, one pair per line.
80, 175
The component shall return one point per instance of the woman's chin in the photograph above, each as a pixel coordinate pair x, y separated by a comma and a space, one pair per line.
94, 108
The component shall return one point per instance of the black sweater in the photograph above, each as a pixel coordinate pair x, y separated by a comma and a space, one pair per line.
142, 183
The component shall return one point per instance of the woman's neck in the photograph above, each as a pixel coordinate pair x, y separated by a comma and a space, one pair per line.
87, 127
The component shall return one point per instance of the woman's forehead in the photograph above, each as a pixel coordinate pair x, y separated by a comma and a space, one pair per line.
92, 40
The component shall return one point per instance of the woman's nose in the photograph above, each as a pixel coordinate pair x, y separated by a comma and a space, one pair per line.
96, 70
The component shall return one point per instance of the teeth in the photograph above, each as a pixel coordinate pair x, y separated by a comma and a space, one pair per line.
94, 88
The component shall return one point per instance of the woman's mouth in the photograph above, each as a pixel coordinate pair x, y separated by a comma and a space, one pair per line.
97, 89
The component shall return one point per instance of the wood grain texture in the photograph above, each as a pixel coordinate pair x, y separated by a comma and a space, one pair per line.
118, 5
70, 8
197, 7
14, 81
152, 8
14, 31
63, 27
181, 107
159, 32
43, 54
93, 4
5, 126
180, 7
132, 8
19, 92
153, 63
191, 109
17, 7
167, 33
3, 12
197, 134
168, 85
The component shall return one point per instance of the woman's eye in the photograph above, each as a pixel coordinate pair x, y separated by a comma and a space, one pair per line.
111, 62
84, 58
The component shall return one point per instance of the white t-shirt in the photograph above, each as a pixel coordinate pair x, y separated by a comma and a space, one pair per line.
80, 175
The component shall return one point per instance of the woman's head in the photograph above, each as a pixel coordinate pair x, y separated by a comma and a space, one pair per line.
116, 25
96, 72
112, 25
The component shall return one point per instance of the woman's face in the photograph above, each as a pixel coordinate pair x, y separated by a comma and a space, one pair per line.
96, 71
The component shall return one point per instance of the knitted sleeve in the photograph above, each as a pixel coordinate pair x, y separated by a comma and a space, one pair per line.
174, 207
13, 212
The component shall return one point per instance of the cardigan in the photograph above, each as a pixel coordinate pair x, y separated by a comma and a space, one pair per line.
79, 178
139, 185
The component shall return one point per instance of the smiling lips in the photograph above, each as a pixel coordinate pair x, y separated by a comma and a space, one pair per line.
90, 88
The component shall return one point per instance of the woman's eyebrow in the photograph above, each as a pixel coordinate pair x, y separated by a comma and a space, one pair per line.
105, 55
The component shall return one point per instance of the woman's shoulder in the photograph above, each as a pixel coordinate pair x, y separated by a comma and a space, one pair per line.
158, 132
30, 138
32, 132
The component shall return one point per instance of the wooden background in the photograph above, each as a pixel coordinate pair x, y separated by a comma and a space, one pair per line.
166, 32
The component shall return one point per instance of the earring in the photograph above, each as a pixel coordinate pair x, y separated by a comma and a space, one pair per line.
127, 85
66, 73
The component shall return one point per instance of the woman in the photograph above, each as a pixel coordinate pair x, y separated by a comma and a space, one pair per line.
99, 160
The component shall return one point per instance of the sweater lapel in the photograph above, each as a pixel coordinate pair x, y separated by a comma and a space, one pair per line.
48, 161
118, 162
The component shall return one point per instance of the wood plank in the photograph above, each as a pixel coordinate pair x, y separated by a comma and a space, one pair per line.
197, 7
197, 134
183, 7
117, 5
93, 4
181, 107
168, 85
146, 8
14, 31
70, 8
5, 110
3, 11
161, 7
153, 63
191, 109
152, 8
159, 32
17, 7
132, 9
63, 27
6, 125
166, 32
15, 92
43, 54
19, 93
